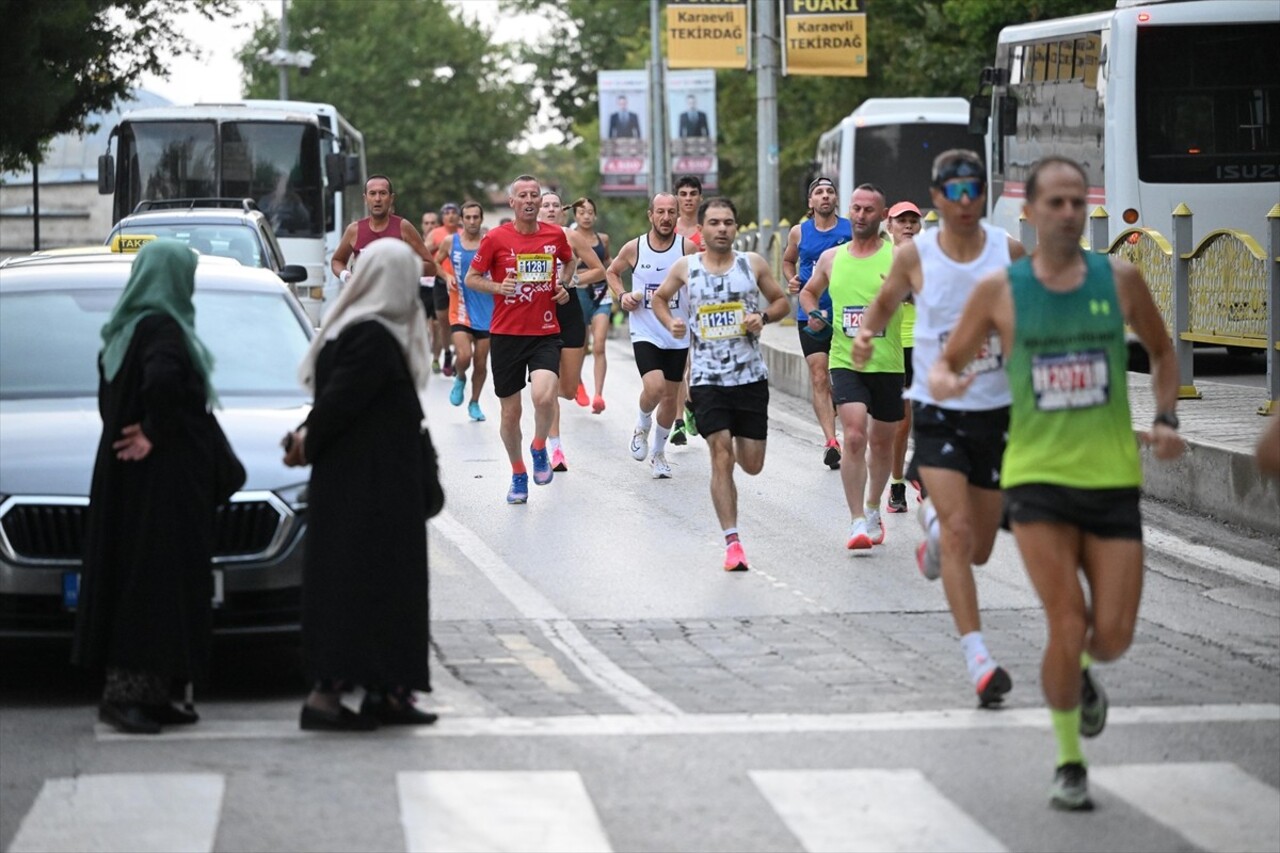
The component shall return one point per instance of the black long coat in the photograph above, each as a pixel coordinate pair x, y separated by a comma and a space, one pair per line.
146, 588
364, 590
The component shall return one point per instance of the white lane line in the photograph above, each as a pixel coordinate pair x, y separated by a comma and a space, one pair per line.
646, 725
124, 811
595, 665
474, 811
859, 811
1214, 805
1210, 558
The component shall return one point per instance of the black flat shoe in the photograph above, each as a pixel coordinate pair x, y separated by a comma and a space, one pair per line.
168, 714
341, 720
395, 715
128, 718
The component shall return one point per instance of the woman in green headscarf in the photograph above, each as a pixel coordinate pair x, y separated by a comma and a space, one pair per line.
146, 589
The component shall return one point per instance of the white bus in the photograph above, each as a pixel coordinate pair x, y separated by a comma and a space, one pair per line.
1163, 103
891, 142
301, 163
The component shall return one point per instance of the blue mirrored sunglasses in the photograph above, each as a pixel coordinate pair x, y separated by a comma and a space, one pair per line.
956, 190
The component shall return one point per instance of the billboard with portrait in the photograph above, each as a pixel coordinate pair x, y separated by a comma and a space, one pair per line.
691, 124
624, 132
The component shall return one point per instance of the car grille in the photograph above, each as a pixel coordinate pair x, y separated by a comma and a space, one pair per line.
55, 532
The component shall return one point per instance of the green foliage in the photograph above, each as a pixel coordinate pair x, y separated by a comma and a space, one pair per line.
440, 135
65, 59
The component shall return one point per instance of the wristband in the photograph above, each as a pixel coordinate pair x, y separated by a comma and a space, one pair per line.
764, 318
344, 275
1169, 419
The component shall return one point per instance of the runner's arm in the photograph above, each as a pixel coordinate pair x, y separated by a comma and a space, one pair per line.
990, 306
410, 235
1268, 451
778, 306
817, 285
899, 283
660, 302
790, 255
1142, 315
625, 260
595, 272
342, 254
1016, 249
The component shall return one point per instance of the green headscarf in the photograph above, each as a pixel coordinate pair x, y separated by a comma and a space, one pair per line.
162, 281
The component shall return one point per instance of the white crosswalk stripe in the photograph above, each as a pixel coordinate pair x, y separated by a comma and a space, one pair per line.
480, 811
124, 811
1214, 805
870, 810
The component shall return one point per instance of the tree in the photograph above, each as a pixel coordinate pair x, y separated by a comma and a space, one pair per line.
65, 60
432, 94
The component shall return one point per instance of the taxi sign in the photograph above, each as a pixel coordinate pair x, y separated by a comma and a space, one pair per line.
129, 243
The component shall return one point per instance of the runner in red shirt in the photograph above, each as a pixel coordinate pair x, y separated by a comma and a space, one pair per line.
517, 263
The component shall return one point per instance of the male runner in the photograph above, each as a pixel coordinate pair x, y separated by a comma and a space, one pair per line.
442, 233
728, 379
573, 326
805, 244
959, 445
470, 311
517, 263
661, 357
869, 396
903, 224
688, 192
379, 198
1071, 471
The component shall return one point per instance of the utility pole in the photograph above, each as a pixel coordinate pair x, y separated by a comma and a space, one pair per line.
284, 49
767, 116
660, 166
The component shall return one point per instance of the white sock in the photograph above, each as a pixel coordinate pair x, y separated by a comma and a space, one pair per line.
897, 481
660, 439
976, 656
645, 421
553, 444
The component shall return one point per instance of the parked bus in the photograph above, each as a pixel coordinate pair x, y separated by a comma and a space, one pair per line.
301, 163
891, 142
1163, 103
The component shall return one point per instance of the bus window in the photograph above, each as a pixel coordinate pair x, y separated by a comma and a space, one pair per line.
1208, 99
278, 165
898, 158
170, 160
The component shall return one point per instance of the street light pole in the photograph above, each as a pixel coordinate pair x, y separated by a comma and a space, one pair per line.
284, 49
659, 179
767, 116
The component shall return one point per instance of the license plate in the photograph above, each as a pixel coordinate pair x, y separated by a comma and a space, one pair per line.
70, 590
217, 587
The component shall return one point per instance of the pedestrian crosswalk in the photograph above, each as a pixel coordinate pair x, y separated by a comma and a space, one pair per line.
1211, 805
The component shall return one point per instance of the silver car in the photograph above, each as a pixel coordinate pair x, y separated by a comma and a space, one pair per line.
51, 311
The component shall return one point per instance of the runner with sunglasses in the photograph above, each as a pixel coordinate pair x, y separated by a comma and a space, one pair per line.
958, 447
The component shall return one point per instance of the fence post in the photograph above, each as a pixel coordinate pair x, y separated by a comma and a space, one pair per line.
1183, 349
1273, 314
1099, 230
1026, 233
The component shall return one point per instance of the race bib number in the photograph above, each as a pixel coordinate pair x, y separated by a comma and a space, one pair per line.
721, 321
1073, 380
989, 358
851, 320
537, 269
650, 289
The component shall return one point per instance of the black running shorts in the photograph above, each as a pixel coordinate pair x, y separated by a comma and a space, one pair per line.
428, 301
650, 357
440, 295
476, 334
969, 442
1105, 513
512, 358
573, 328
881, 393
741, 409
809, 345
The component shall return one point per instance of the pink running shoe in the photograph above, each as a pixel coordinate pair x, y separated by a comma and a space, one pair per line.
557, 460
735, 560
597, 405
582, 399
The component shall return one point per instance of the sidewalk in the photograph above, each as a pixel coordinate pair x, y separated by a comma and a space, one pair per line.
1216, 477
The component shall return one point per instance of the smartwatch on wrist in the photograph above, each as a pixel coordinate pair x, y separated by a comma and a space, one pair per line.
1169, 419
764, 318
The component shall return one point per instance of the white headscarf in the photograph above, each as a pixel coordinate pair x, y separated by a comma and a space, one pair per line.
384, 288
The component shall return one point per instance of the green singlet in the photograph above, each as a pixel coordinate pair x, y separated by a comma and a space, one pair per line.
1070, 423
855, 283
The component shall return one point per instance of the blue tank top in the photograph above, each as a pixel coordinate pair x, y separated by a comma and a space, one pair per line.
478, 307
812, 244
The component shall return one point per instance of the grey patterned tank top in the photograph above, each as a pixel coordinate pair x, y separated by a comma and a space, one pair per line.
722, 352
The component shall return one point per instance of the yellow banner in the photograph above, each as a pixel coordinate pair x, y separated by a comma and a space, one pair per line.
825, 37
707, 34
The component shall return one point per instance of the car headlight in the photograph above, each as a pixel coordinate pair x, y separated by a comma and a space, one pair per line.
294, 496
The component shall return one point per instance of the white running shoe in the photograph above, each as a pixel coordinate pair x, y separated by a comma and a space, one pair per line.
875, 530
659, 467
929, 552
859, 540
640, 444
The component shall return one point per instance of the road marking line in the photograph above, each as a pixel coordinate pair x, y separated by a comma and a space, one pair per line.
477, 811
830, 811
539, 663
124, 811
646, 725
1214, 805
625, 689
1211, 558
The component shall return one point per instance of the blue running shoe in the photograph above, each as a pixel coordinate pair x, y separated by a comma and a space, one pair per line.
542, 472
519, 491
474, 411
455, 393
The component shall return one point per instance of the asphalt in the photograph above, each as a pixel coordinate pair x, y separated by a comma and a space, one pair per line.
1216, 477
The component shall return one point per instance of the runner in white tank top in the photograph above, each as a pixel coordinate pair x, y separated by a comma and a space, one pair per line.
958, 446
731, 296
660, 356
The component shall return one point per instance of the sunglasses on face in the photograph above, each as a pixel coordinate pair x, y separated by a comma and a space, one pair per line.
956, 190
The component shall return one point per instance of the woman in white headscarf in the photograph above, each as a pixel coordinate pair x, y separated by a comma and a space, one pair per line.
364, 591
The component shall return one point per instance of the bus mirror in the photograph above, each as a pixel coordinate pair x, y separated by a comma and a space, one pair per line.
1008, 115
106, 175
979, 114
353, 167
335, 169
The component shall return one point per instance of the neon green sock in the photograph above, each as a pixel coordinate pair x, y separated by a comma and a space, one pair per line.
1086, 660
1066, 728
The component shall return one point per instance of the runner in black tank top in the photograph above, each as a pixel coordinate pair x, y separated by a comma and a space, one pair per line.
594, 300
